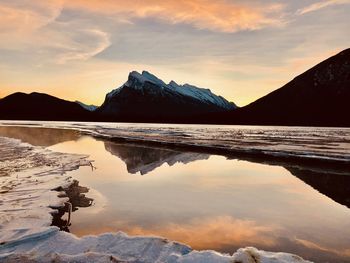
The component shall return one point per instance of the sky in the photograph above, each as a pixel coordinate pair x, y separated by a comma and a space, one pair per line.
242, 50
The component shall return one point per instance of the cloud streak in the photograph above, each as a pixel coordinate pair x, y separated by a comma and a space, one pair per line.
240, 49
27, 16
220, 15
98, 42
33, 25
320, 5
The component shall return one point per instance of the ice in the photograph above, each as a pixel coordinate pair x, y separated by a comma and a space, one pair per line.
304, 143
57, 246
28, 175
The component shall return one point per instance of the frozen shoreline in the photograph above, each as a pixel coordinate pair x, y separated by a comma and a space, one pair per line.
315, 145
28, 176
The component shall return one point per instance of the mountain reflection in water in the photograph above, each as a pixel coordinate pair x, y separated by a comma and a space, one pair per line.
145, 159
205, 200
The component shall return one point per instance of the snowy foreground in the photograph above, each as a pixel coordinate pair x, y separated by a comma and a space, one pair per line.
28, 177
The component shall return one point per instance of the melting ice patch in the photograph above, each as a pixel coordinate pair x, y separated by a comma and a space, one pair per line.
27, 176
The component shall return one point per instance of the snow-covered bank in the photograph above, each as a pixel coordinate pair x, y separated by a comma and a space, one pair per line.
28, 174
55, 246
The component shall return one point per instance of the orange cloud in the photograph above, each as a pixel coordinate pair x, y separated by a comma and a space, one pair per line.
218, 15
23, 18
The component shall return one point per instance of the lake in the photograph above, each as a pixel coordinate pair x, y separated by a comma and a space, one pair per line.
205, 199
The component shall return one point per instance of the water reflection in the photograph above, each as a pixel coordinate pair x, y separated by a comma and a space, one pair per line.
335, 186
39, 136
212, 202
145, 159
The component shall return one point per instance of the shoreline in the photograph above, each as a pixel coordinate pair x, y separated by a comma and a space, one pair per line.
300, 157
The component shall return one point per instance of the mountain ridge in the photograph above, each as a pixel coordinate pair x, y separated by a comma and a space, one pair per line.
317, 97
40, 106
145, 97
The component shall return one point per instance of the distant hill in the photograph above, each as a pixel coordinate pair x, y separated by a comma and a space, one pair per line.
144, 97
318, 97
38, 106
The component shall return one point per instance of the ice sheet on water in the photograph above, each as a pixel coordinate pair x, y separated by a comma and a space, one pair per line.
331, 144
27, 176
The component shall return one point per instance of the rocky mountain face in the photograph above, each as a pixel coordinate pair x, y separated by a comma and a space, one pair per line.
144, 97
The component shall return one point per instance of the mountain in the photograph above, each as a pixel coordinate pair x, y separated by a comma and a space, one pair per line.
318, 97
38, 106
144, 97
87, 107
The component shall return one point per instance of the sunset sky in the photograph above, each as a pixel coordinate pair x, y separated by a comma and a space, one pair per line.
242, 50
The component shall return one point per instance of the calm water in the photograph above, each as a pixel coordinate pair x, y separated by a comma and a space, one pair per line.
206, 201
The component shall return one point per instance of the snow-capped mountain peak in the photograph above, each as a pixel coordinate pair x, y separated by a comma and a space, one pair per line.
137, 82
146, 96
152, 78
201, 94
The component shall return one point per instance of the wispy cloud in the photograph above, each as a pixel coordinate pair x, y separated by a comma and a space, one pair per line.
98, 42
219, 15
240, 49
33, 25
27, 16
320, 5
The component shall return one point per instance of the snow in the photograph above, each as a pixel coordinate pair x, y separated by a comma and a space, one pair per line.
27, 176
201, 94
137, 81
52, 245
152, 78
87, 107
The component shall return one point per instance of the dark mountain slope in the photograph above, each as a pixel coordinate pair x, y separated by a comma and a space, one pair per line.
318, 97
38, 106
